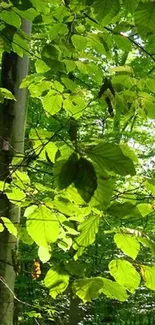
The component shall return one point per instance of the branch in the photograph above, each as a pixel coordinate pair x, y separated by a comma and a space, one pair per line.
125, 36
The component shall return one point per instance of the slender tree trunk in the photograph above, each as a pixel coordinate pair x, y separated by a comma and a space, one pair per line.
12, 131
74, 312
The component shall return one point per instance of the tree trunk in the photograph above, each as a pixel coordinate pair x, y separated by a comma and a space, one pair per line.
12, 131
74, 312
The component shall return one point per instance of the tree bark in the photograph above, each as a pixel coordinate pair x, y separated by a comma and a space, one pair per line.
74, 312
12, 132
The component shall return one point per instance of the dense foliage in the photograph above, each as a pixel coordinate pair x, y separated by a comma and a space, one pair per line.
86, 182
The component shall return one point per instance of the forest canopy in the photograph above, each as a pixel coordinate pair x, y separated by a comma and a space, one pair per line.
77, 179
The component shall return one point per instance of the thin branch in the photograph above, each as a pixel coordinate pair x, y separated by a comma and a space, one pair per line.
122, 35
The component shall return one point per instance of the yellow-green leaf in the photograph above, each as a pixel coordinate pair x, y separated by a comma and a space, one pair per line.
125, 274
56, 282
128, 244
43, 226
10, 226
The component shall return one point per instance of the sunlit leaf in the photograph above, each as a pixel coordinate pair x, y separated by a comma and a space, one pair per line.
111, 157
10, 226
44, 254
125, 274
128, 244
88, 230
113, 290
11, 18
52, 103
86, 289
56, 282
43, 226
80, 42
1, 227
148, 274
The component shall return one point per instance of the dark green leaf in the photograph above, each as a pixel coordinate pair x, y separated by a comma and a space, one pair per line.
124, 210
86, 181
65, 171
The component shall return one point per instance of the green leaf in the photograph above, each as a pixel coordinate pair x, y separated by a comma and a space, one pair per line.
51, 150
58, 86
111, 157
56, 282
124, 210
24, 236
91, 70
128, 244
147, 242
65, 171
29, 14
11, 18
113, 290
69, 227
42, 225
150, 185
148, 274
58, 29
125, 274
75, 268
103, 193
41, 66
95, 43
5, 5
147, 102
75, 105
44, 254
51, 51
127, 151
69, 84
65, 244
21, 176
1, 227
145, 209
123, 81
106, 10
88, 230
122, 68
131, 5
5, 93
70, 65
87, 289
150, 83
85, 181
20, 45
52, 102
74, 195
16, 196
79, 42
41, 6
10, 226
71, 209
123, 43
145, 18
20, 179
